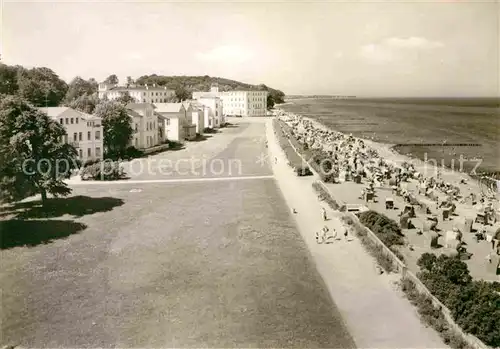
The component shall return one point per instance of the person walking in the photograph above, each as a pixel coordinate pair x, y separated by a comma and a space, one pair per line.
324, 214
345, 233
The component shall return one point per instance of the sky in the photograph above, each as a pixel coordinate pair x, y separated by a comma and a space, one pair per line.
376, 48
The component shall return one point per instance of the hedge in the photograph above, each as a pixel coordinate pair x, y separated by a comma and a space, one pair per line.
432, 315
103, 171
474, 305
387, 230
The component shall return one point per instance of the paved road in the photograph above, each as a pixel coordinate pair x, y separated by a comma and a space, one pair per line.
206, 264
239, 150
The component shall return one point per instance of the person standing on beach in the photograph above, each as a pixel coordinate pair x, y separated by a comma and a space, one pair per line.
324, 214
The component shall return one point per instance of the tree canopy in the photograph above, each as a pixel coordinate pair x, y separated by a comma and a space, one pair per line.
33, 158
79, 87
112, 79
40, 86
117, 126
475, 305
203, 83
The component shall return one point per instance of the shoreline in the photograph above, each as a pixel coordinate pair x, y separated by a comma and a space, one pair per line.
389, 152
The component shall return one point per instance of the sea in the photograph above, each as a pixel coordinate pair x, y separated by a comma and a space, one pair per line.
459, 133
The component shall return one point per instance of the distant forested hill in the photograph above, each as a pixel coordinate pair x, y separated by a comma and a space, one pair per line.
203, 83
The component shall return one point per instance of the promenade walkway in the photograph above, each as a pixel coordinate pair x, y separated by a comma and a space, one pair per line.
375, 311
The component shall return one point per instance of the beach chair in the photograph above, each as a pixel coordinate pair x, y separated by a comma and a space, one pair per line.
389, 203
446, 213
481, 219
410, 210
369, 196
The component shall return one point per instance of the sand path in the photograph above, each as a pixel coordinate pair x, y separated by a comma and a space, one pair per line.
376, 313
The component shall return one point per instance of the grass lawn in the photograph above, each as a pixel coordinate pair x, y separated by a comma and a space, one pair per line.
214, 264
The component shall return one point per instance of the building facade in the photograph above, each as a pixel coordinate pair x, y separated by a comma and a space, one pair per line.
198, 116
141, 94
144, 125
177, 124
214, 111
244, 103
237, 103
83, 131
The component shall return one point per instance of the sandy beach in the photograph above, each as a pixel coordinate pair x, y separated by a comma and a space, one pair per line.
444, 187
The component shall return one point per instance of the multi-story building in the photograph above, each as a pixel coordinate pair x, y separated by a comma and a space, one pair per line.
141, 94
144, 125
237, 103
198, 115
83, 131
245, 103
214, 113
176, 121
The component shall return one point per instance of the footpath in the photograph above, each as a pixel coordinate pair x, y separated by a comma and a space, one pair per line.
375, 311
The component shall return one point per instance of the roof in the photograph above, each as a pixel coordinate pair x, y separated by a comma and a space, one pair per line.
139, 105
54, 112
168, 107
149, 88
133, 113
202, 94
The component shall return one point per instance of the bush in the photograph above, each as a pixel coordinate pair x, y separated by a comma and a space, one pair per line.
387, 230
103, 171
474, 305
133, 153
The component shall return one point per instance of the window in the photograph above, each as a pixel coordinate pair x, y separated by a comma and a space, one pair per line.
216, 113
98, 152
88, 136
77, 120
79, 136
89, 152
136, 127
80, 152
61, 121
168, 121
66, 120
97, 135
136, 143
74, 137
72, 120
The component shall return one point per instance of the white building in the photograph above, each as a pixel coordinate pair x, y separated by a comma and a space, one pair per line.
245, 103
144, 124
83, 131
214, 113
238, 103
177, 121
198, 115
141, 94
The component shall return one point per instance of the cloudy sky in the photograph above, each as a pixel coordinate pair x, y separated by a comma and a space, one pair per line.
411, 48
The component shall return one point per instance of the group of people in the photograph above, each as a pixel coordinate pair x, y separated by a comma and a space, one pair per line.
351, 157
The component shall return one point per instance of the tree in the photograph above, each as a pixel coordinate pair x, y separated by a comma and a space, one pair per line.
125, 98
117, 126
130, 81
112, 79
33, 158
8, 79
41, 87
85, 103
270, 101
79, 87
182, 93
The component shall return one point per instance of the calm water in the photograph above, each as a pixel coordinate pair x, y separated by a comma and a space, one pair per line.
416, 122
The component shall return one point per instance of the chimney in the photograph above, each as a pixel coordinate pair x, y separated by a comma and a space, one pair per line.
146, 86
154, 85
